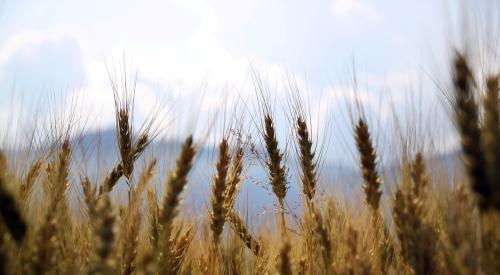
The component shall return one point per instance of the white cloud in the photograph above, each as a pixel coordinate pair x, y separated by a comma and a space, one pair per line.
185, 48
354, 8
52, 56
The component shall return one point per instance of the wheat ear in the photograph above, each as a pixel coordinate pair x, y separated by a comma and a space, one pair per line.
276, 169
491, 135
307, 161
174, 186
368, 159
9, 209
234, 180
467, 119
218, 213
242, 231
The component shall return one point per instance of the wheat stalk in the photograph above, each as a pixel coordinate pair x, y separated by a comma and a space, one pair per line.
89, 192
467, 119
417, 238
124, 127
368, 159
284, 260
42, 261
277, 174
307, 162
9, 210
234, 179
322, 238
491, 136
133, 220
26, 187
218, 213
175, 184
242, 231
180, 247
357, 264
419, 176
104, 235
153, 212
58, 183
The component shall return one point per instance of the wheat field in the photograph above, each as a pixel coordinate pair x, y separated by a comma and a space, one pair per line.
427, 224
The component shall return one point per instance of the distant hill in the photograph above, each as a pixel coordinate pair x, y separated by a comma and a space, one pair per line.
255, 197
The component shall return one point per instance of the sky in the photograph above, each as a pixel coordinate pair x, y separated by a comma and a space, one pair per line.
184, 50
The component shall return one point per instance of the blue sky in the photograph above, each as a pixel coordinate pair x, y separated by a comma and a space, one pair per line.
178, 46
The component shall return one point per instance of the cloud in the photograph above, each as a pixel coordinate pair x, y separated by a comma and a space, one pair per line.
36, 61
184, 49
37, 71
354, 8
